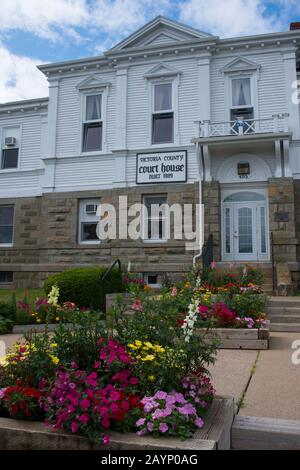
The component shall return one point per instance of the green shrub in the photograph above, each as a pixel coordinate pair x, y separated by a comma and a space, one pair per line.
6, 325
7, 310
84, 287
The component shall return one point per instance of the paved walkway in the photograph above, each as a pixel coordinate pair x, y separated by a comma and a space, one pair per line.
271, 380
273, 385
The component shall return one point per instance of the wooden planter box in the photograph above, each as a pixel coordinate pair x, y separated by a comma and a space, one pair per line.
215, 435
240, 338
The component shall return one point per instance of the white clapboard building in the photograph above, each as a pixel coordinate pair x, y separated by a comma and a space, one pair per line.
169, 115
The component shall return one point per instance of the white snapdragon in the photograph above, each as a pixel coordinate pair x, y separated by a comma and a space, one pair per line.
53, 296
190, 319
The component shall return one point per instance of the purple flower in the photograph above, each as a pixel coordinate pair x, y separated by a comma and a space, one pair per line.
142, 432
74, 427
187, 409
199, 422
140, 422
163, 427
161, 395
150, 426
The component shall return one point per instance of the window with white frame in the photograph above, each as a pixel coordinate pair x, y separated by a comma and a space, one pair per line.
162, 113
241, 108
152, 280
9, 158
92, 123
6, 225
88, 221
154, 217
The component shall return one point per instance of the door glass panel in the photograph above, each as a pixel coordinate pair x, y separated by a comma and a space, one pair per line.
245, 230
263, 241
227, 230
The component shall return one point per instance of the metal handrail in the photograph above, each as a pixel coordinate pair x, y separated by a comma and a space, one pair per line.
273, 263
109, 270
208, 252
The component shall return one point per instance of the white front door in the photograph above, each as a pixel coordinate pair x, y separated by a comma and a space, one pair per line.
245, 231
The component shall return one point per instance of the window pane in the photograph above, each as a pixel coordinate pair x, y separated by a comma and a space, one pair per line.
163, 128
227, 230
263, 230
163, 97
241, 95
155, 221
245, 230
88, 231
6, 215
6, 277
6, 234
93, 108
92, 139
9, 158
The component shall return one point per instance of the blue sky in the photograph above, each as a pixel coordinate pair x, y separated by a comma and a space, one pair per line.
37, 31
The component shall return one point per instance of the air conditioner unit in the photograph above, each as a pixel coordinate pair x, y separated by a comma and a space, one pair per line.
10, 141
91, 209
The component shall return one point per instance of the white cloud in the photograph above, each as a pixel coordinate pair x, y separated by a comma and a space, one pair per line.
19, 77
47, 19
230, 18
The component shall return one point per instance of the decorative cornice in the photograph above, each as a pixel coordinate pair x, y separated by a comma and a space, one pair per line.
36, 105
91, 83
162, 70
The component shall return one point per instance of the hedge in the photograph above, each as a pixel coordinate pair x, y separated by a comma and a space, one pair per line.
84, 287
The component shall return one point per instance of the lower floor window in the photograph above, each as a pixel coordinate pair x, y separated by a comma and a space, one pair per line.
88, 221
152, 280
154, 217
6, 277
6, 225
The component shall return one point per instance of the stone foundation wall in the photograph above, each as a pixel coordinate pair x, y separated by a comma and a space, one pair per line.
282, 201
212, 215
46, 236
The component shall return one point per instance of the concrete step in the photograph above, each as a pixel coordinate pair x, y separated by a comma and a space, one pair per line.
284, 302
283, 311
284, 318
251, 433
285, 327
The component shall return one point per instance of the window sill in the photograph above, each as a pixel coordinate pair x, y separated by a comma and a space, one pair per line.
90, 244
9, 170
156, 242
92, 154
6, 245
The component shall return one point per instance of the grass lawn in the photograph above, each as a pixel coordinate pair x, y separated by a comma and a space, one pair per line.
31, 294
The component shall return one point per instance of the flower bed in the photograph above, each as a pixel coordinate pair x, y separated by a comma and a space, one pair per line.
137, 375
229, 303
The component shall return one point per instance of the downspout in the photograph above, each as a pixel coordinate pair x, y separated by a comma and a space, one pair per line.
201, 211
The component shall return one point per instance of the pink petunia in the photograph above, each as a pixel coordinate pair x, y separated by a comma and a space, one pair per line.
74, 427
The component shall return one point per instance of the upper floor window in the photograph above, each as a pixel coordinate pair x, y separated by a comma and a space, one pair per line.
163, 114
9, 157
241, 99
88, 221
6, 225
93, 124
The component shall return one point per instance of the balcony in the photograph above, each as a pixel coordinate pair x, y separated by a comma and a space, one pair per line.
277, 124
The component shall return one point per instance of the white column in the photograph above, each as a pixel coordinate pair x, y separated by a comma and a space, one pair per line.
49, 145
278, 171
289, 59
121, 125
204, 88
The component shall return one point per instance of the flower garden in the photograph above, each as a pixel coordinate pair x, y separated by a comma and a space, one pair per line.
144, 373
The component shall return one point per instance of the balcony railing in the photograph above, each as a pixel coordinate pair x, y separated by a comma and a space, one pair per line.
240, 127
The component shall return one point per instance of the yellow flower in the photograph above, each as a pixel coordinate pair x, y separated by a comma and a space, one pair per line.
149, 357
57, 319
138, 343
54, 359
132, 346
151, 378
159, 349
53, 345
148, 344
38, 320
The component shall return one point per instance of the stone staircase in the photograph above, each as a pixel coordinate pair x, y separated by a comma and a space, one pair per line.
284, 314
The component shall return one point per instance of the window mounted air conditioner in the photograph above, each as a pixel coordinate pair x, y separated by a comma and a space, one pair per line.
91, 209
10, 141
